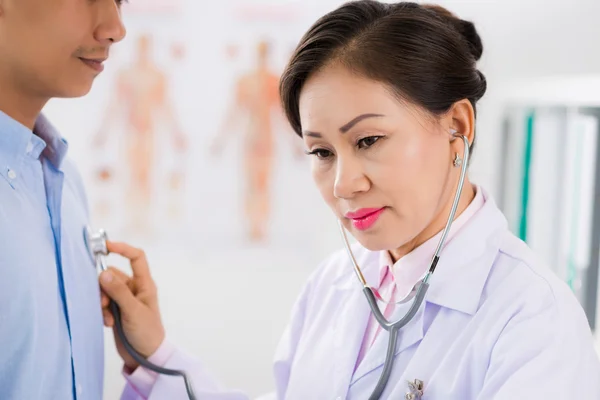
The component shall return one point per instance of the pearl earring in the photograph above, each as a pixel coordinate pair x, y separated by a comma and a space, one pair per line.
457, 160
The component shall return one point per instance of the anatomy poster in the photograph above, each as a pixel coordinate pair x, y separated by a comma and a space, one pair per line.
254, 118
188, 137
141, 118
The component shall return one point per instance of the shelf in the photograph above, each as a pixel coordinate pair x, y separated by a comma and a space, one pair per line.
569, 91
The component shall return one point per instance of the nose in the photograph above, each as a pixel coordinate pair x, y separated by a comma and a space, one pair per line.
110, 28
350, 178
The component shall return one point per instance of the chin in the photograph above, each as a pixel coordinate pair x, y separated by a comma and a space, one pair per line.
74, 90
373, 241
80, 92
382, 239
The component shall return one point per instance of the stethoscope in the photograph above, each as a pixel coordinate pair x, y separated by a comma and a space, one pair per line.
96, 243
373, 295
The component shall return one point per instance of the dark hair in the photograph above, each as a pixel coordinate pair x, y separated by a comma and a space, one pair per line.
423, 52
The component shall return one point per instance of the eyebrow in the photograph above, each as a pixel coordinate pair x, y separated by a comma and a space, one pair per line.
356, 120
345, 128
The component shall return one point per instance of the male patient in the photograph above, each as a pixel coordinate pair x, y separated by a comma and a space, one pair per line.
51, 334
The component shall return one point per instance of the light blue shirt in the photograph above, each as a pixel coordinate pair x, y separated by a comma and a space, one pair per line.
51, 335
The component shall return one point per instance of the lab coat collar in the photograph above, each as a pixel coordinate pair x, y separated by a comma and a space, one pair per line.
464, 265
410, 269
351, 322
349, 326
368, 261
408, 336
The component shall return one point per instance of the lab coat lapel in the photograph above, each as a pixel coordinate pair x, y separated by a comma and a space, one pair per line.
465, 264
351, 321
408, 336
457, 283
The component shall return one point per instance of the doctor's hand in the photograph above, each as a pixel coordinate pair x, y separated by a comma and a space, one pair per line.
138, 301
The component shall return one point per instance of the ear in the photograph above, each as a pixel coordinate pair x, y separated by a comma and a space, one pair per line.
461, 118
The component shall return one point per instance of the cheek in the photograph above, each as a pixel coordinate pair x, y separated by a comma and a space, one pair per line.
412, 177
58, 45
324, 179
408, 161
425, 160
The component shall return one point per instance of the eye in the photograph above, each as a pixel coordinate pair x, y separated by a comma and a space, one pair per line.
321, 154
367, 142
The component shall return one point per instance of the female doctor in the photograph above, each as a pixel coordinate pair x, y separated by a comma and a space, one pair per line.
380, 93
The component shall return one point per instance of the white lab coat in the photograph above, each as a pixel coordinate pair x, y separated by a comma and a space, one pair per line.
496, 324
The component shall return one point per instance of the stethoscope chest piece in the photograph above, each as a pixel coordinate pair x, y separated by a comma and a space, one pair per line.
96, 244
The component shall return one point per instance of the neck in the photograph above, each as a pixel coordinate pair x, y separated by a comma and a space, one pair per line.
439, 222
21, 106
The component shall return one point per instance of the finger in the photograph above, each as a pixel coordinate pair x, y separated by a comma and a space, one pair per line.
104, 300
118, 291
120, 274
126, 278
109, 320
136, 256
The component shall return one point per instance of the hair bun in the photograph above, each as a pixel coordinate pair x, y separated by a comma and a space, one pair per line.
466, 29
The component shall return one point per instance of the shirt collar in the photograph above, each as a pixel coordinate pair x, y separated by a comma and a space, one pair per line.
17, 141
411, 268
56, 146
14, 140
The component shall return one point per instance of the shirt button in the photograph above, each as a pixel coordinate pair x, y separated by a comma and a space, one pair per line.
79, 389
12, 174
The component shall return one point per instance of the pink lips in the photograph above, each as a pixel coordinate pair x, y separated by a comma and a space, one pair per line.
95, 64
365, 218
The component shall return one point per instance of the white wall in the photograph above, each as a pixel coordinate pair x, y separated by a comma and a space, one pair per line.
526, 39
227, 302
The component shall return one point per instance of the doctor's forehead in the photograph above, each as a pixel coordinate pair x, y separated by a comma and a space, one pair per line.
335, 95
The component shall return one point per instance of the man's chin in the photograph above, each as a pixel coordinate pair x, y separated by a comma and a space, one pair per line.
75, 90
